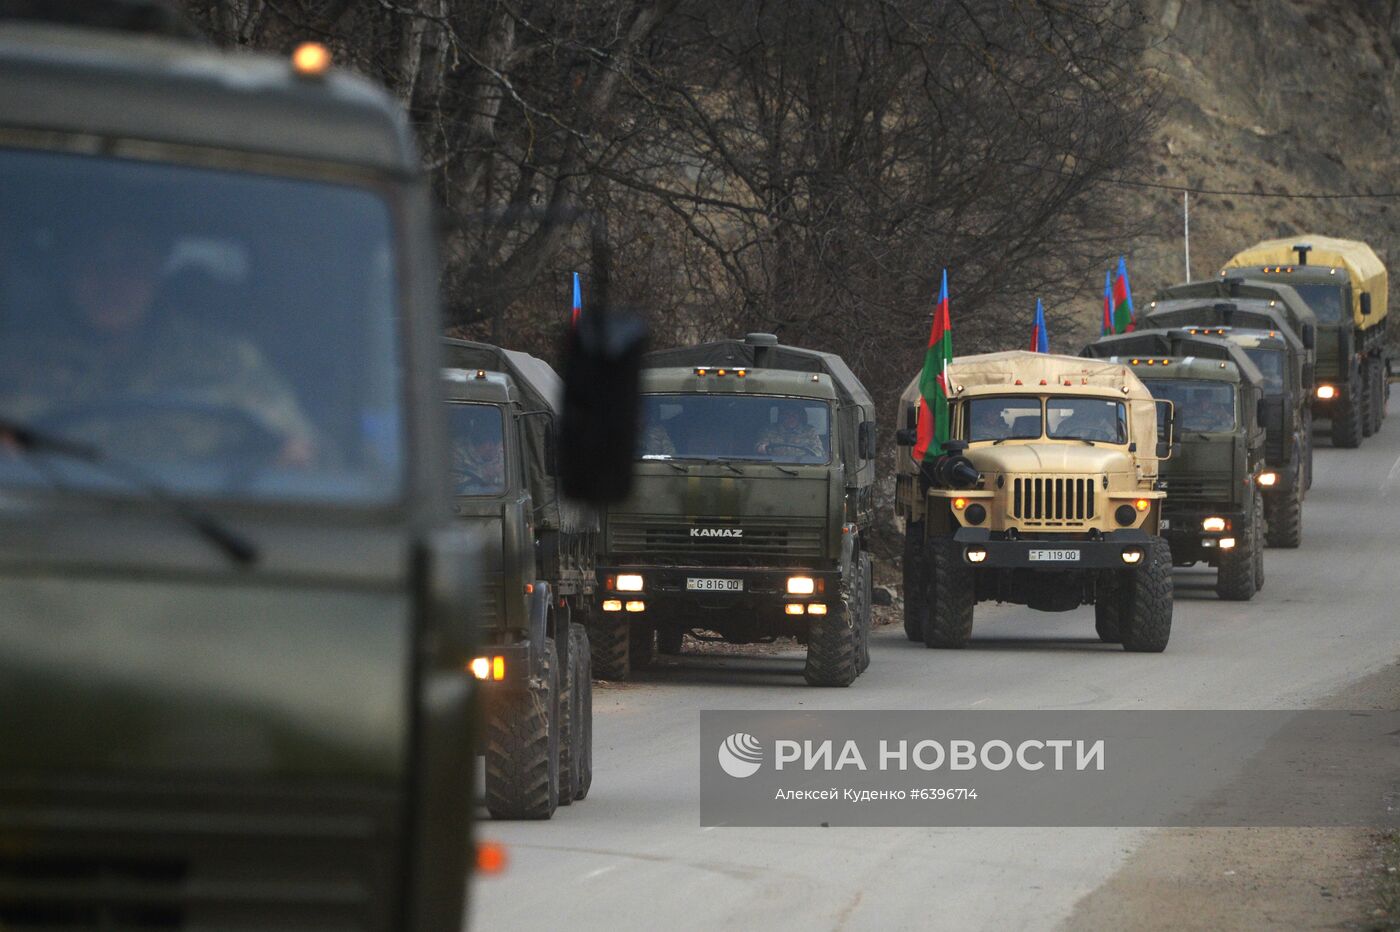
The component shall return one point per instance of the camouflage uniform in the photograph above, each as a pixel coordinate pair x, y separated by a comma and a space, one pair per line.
656, 441
173, 362
478, 469
803, 436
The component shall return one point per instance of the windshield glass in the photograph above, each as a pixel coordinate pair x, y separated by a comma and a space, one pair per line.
1003, 419
1271, 363
1325, 301
478, 449
1097, 419
1200, 406
762, 428
230, 334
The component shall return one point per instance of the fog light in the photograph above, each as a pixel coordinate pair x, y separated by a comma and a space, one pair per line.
976, 555
1125, 514
1268, 479
1213, 524
1326, 392
801, 585
637, 606
629, 582
1227, 543
1132, 556
816, 608
612, 605
794, 608
975, 514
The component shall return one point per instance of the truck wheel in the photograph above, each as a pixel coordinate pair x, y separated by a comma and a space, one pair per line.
522, 747
1234, 581
1368, 399
641, 645
669, 639
863, 620
1284, 511
1308, 454
1108, 607
581, 761
608, 635
1346, 420
1377, 394
572, 727
915, 581
1261, 527
1146, 605
831, 647
950, 595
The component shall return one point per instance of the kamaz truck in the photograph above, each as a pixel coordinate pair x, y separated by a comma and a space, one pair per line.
1214, 512
1286, 413
1346, 285
754, 495
1046, 496
532, 660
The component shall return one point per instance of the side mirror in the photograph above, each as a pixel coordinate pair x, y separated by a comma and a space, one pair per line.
1366, 303
1309, 336
906, 436
866, 440
911, 416
1166, 429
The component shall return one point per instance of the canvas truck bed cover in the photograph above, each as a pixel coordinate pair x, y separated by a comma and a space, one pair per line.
1364, 267
739, 354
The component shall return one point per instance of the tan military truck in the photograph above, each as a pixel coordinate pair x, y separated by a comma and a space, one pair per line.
1047, 497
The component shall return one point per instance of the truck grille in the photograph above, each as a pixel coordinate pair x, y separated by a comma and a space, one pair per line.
1053, 500
664, 539
1198, 492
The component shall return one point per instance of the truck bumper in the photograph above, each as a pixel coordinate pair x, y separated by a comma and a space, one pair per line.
717, 588
1106, 553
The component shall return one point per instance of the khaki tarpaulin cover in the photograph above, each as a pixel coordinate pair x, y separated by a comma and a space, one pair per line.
1363, 266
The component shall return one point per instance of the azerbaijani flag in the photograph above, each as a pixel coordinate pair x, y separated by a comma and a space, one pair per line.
1040, 339
1123, 318
1107, 329
578, 303
933, 383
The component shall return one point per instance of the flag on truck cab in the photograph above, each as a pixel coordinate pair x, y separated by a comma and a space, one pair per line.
1040, 339
1123, 321
933, 423
578, 303
1107, 329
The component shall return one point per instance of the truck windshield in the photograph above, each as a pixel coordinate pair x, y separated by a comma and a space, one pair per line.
1096, 419
230, 334
1201, 406
478, 449
1003, 419
761, 428
1325, 300
1271, 363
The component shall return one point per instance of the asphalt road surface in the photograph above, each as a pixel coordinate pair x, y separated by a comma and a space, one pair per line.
634, 856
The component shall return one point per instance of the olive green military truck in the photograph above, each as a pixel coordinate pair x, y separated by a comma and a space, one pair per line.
1345, 284
1287, 415
1214, 512
533, 657
1046, 497
753, 496
233, 613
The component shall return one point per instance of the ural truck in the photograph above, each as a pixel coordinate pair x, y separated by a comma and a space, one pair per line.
1287, 417
753, 498
1346, 285
1046, 496
533, 659
1214, 512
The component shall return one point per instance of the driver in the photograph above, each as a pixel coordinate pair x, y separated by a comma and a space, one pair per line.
988, 423
1092, 422
479, 464
114, 348
1215, 415
791, 432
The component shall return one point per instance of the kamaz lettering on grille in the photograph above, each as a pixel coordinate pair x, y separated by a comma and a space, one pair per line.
716, 532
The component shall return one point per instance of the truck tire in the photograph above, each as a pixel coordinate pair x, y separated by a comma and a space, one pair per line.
1346, 419
864, 619
522, 747
1377, 393
1308, 443
1146, 605
575, 725
1368, 398
1234, 581
669, 639
608, 636
1108, 607
1261, 528
641, 645
951, 597
1284, 513
915, 581
831, 647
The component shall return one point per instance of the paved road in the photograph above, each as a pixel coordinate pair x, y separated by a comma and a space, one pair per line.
633, 855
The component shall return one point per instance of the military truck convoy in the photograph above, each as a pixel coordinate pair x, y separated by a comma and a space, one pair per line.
754, 492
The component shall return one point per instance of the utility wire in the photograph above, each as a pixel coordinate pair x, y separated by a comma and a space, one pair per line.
1226, 192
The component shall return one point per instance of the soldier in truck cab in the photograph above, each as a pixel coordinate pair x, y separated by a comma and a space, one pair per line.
791, 436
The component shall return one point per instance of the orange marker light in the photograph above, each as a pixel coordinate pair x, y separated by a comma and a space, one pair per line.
498, 668
1141, 504
490, 857
959, 503
311, 59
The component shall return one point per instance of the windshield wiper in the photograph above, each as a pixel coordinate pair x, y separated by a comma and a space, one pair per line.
234, 545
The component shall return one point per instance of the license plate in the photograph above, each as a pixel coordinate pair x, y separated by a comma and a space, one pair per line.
704, 584
1166, 524
1055, 556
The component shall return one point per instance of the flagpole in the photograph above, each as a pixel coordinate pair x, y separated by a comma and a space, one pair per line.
1186, 223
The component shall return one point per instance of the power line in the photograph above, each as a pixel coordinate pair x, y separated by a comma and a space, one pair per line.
1222, 192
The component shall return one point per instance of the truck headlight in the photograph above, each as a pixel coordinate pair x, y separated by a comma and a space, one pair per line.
1132, 556
1227, 543
1326, 392
801, 585
975, 513
629, 582
1213, 523
1268, 479
976, 555
488, 668
1125, 514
